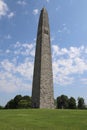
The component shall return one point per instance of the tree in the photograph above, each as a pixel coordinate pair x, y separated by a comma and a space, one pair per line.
23, 104
1, 107
62, 102
17, 98
81, 103
26, 97
10, 104
72, 103
19, 102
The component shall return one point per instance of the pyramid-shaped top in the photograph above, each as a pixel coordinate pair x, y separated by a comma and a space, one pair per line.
43, 21
44, 9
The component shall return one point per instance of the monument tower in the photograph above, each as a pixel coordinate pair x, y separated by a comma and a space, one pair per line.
42, 90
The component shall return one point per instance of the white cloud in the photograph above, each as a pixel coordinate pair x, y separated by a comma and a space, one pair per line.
47, 1
7, 83
67, 63
57, 51
11, 14
32, 53
74, 51
7, 65
24, 49
18, 44
21, 2
3, 8
35, 11
10, 83
26, 69
8, 51
15, 77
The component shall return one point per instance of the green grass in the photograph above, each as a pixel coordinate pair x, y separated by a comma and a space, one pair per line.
42, 119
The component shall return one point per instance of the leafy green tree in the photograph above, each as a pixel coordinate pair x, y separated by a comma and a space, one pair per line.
62, 102
19, 102
72, 103
17, 98
1, 107
81, 103
26, 101
26, 97
10, 104
23, 104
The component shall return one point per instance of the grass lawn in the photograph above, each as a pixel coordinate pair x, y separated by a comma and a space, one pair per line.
42, 119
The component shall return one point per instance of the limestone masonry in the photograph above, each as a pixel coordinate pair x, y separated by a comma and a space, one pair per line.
42, 90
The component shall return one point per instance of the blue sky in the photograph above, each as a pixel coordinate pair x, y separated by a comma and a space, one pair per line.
18, 30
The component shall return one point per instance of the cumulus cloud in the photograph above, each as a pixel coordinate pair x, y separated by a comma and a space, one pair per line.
3, 8
11, 14
67, 63
15, 77
24, 69
35, 11
10, 83
21, 2
7, 65
24, 49
17, 72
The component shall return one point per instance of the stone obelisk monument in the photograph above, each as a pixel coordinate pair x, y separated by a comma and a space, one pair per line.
42, 91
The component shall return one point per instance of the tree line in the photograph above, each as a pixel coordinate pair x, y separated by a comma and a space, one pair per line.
61, 102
